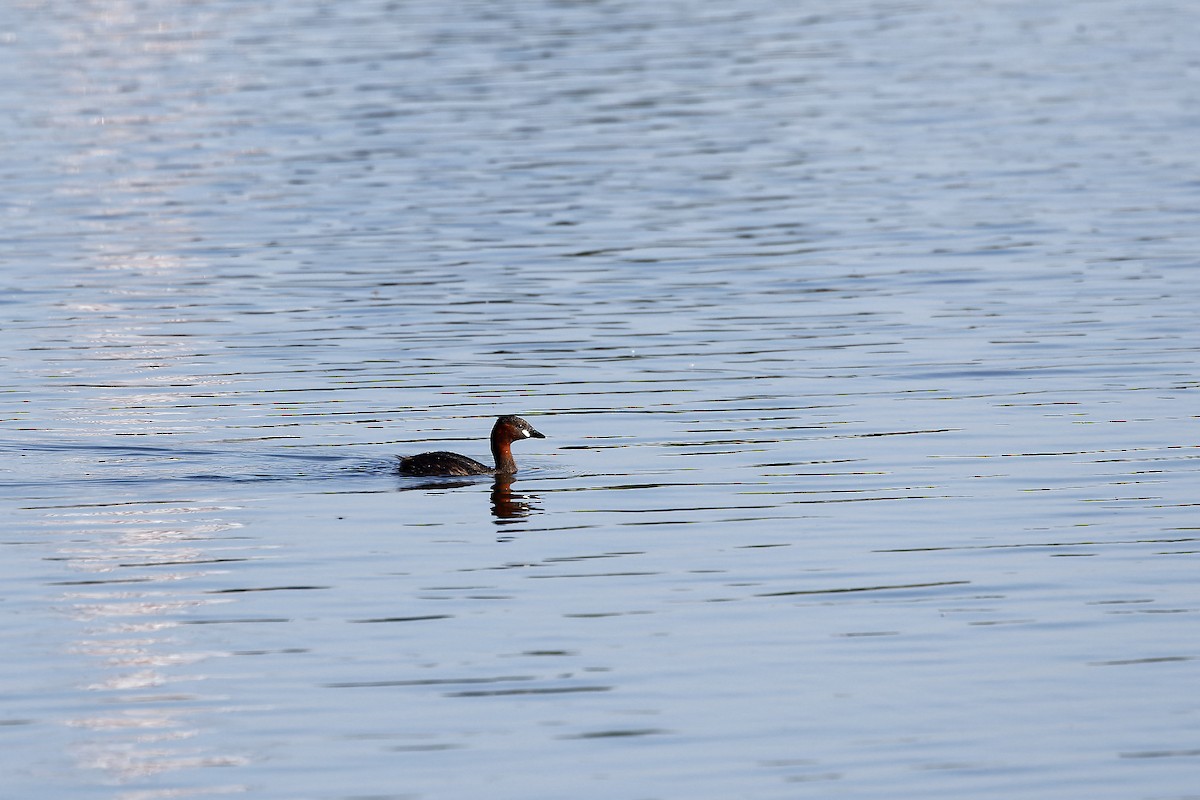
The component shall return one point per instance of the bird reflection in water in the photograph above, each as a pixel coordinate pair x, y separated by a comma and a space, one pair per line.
509, 506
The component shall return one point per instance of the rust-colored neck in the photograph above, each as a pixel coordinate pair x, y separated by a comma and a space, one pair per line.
502, 451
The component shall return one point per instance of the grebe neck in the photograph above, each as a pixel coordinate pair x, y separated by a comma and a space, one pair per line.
502, 452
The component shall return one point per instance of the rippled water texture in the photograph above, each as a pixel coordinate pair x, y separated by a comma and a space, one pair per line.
863, 335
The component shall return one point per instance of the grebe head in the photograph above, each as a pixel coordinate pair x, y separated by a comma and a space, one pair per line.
513, 428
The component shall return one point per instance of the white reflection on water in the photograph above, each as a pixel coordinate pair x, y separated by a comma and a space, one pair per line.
129, 597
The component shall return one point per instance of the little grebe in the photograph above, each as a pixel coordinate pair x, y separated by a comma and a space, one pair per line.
506, 431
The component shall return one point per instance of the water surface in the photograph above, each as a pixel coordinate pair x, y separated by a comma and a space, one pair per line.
863, 338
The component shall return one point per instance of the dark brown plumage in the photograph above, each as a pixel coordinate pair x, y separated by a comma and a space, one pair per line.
507, 430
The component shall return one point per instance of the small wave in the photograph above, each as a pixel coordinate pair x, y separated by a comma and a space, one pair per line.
124, 465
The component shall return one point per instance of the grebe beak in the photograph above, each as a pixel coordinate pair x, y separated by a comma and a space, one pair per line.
534, 434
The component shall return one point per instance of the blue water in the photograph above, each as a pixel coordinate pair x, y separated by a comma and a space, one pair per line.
863, 337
